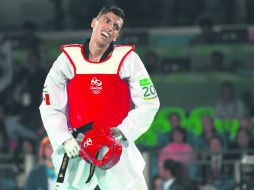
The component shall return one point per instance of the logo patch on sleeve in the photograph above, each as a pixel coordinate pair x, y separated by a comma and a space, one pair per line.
149, 91
46, 98
145, 82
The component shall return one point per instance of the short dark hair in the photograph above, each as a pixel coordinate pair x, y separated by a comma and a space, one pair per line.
171, 165
114, 9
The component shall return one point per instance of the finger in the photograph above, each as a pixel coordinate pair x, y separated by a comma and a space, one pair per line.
78, 148
75, 153
69, 154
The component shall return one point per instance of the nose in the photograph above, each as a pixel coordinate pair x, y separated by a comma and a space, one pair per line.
110, 26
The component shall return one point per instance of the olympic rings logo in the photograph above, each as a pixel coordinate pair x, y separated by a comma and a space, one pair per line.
96, 85
96, 81
88, 143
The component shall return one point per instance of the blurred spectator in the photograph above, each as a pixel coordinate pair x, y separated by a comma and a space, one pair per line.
178, 149
243, 145
157, 182
217, 62
247, 98
169, 170
44, 175
245, 123
216, 172
31, 94
175, 175
229, 106
208, 131
25, 160
174, 120
207, 34
24, 95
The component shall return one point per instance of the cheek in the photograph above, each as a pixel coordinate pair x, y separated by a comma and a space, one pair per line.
115, 35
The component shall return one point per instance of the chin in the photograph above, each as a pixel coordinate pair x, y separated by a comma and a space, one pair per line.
104, 43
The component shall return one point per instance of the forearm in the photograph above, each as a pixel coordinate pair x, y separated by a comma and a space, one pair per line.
53, 107
139, 120
55, 124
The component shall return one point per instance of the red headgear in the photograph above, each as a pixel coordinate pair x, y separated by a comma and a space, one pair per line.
94, 141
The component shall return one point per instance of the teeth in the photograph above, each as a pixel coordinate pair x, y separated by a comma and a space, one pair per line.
107, 35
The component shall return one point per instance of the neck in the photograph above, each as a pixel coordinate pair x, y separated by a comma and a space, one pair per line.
96, 51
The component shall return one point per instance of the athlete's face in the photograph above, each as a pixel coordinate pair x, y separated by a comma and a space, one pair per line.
106, 28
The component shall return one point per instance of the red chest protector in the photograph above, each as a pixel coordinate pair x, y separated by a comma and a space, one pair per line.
96, 93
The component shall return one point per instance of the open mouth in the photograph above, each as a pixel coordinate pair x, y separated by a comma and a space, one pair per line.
105, 34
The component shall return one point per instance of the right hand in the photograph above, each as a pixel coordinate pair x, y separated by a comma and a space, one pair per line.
71, 147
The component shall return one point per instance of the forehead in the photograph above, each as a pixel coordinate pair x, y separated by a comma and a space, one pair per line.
114, 18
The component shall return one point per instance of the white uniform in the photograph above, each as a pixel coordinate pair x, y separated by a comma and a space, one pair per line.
128, 172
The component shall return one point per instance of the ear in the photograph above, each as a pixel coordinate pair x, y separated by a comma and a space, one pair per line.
93, 23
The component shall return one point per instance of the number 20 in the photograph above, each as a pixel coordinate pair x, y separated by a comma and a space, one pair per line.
149, 90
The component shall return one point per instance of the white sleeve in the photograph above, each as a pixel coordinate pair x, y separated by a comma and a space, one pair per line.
143, 95
53, 106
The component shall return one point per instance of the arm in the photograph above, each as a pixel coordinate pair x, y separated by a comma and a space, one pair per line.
143, 95
53, 107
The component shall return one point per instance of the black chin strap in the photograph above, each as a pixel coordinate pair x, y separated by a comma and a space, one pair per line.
92, 170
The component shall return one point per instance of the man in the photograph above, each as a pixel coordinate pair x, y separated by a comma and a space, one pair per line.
217, 173
43, 176
229, 106
98, 81
169, 173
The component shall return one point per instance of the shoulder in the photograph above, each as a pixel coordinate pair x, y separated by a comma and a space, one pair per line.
131, 60
36, 174
188, 146
167, 147
129, 49
38, 169
70, 45
125, 46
